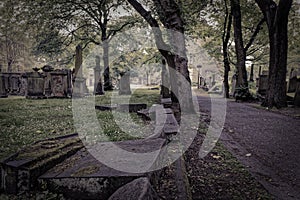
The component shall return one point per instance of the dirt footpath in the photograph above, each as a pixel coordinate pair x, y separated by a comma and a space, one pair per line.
267, 143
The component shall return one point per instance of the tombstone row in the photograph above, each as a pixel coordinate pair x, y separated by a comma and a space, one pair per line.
48, 83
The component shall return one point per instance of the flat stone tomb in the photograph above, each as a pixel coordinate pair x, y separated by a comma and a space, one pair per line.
20, 171
83, 176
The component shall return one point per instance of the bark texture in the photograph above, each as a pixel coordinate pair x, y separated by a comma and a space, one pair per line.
277, 21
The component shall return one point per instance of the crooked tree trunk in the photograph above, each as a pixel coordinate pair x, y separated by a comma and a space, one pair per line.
277, 22
241, 81
169, 13
170, 16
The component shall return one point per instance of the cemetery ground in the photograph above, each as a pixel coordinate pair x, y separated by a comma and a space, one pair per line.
227, 172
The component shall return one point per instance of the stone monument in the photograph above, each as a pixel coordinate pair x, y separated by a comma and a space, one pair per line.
98, 87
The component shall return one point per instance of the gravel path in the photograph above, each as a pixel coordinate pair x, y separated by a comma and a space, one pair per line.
267, 143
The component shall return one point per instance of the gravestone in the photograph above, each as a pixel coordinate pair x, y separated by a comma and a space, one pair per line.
3, 92
297, 94
20, 171
79, 82
233, 85
124, 84
48, 89
24, 85
35, 84
59, 83
263, 83
14, 83
292, 85
98, 87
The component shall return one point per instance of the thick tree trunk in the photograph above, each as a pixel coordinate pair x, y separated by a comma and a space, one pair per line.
170, 16
165, 92
242, 81
277, 22
225, 40
107, 80
169, 13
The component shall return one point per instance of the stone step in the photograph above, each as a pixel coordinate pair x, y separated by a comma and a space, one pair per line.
20, 171
82, 176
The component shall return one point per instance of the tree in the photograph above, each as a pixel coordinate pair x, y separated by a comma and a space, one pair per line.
87, 22
170, 16
225, 41
14, 42
241, 72
276, 16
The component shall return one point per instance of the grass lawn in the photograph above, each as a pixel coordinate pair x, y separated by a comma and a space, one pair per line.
24, 121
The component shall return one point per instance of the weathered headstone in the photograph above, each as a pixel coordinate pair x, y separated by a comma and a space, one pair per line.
35, 84
297, 94
14, 83
263, 83
98, 87
124, 84
292, 85
48, 87
59, 83
3, 92
79, 87
233, 85
213, 80
20, 171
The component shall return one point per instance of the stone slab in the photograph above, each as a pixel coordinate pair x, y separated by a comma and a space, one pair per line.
132, 107
20, 171
83, 176
139, 189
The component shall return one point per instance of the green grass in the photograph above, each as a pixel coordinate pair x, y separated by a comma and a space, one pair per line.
24, 121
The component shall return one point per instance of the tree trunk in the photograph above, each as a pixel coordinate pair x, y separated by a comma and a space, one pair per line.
242, 81
169, 13
225, 40
106, 73
165, 92
277, 22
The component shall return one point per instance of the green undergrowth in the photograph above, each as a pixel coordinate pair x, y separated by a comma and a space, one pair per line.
25, 121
